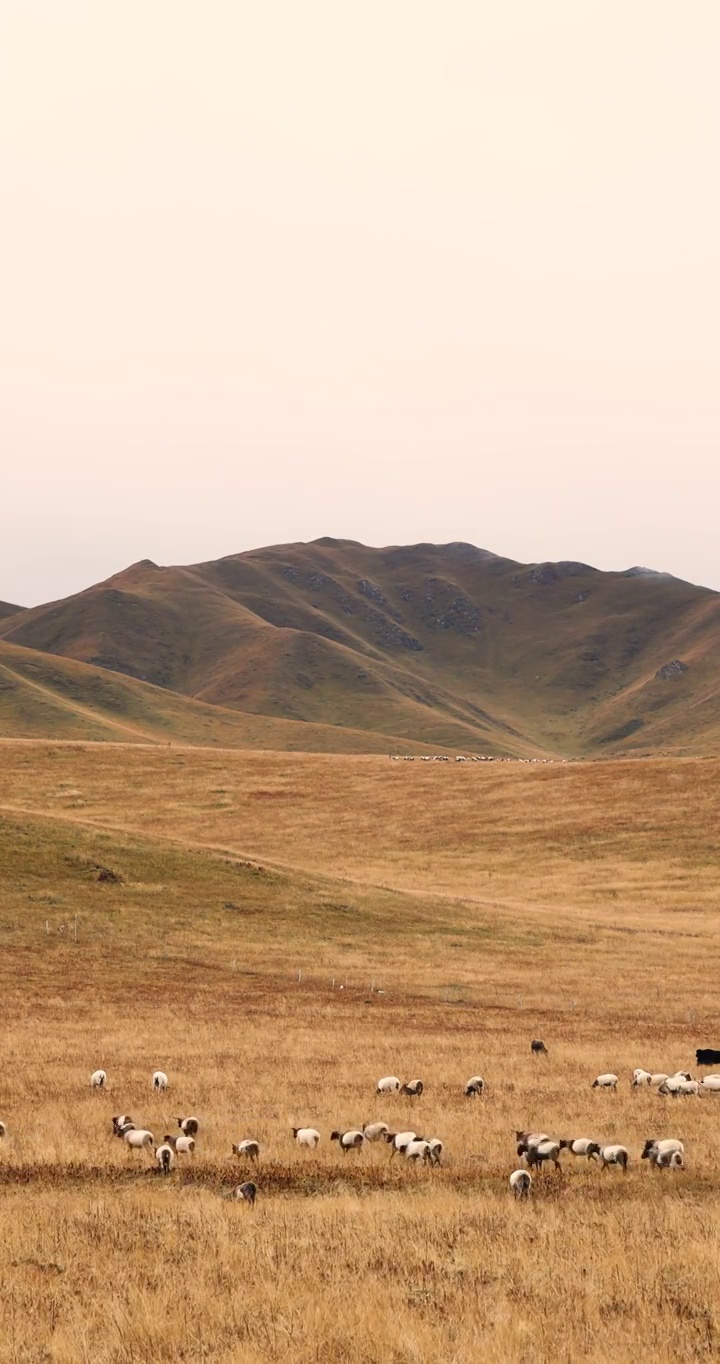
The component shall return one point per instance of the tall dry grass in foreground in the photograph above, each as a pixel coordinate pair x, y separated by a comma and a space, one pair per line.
190, 962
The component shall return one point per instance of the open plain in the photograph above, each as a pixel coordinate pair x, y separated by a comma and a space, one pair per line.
276, 931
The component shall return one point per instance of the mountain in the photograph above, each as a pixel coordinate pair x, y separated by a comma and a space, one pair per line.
437, 645
7, 610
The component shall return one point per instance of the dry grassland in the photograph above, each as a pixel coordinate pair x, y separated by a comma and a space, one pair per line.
490, 904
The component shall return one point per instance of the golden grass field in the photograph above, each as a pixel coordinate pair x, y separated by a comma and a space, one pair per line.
490, 904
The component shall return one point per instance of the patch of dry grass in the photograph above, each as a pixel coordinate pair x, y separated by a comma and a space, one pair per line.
598, 931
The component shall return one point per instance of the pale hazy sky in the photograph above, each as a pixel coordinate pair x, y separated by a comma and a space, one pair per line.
395, 270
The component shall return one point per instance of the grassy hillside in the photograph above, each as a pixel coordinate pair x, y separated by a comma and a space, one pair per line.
445, 645
42, 695
463, 910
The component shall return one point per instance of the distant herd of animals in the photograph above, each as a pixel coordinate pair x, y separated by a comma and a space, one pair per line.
463, 758
535, 1149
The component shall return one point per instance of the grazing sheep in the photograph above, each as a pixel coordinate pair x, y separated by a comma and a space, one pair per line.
375, 1131
475, 1087
182, 1146
670, 1160
399, 1140
640, 1077
306, 1136
247, 1192
653, 1149
610, 1155
413, 1087
354, 1140
531, 1138
607, 1081
388, 1085
97, 1079
159, 1081
710, 1083
137, 1138
188, 1126
678, 1087
436, 1150
165, 1157
578, 1146
247, 1149
538, 1048
539, 1154
657, 1078
418, 1151
122, 1120
521, 1183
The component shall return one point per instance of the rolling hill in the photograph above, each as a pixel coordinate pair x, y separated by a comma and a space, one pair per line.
443, 646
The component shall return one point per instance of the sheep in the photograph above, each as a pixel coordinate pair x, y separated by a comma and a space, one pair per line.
710, 1083
246, 1192
97, 1079
538, 1048
159, 1081
670, 1160
532, 1138
182, 1146
354, 1140
188, 1126
578, 1146
375, 1131
657, 1078
610, 1155
654, 1149
537, 1155
122, 1120
138, 1137
418, 1151
607, 1081
679, 1087
521, 1183
413, 1087
475, 1087
399, 1140
436, 1150
306, 1136
640, 1077
247, 1149
388, 1085
165, 1157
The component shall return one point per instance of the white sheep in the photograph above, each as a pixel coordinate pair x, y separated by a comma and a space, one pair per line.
531, 1138
137, 1138
375, 1131
521, 1183
659, 1152
97, 1079
412, 1087
711, 1083
610, 1155
640, 1077
165, 1157
607, 1081
679, 1087
182, 1146
388, 1085
436, 1150
418, 1151
670, 1160
159, 1081
399, 1140
306, 1136
188, 1126
657, 1078
578, 1146
246, 1192
353, 1140
474, 1087
540, 1153
247, 1149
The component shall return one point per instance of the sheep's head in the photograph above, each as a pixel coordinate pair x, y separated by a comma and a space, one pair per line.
335, 1136
593, 1148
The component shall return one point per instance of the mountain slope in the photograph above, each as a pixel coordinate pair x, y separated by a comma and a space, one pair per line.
442, 644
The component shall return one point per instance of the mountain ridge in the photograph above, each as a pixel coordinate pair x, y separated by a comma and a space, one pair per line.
446, 645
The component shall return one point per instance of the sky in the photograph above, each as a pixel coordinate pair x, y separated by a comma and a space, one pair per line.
396, 271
